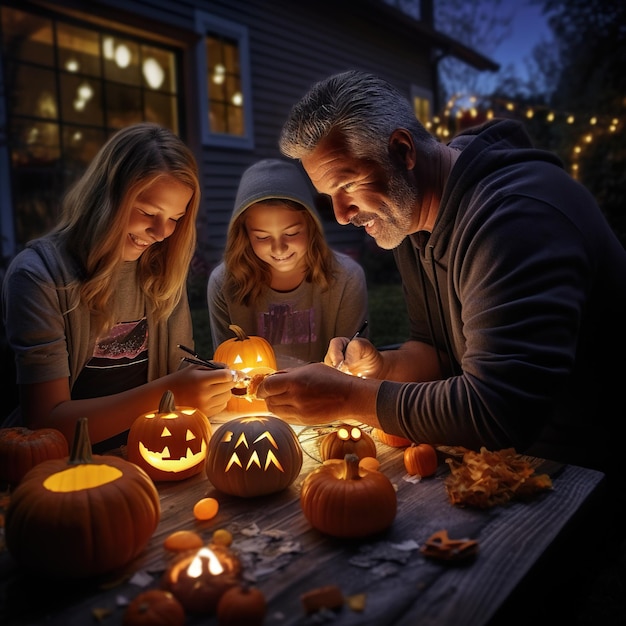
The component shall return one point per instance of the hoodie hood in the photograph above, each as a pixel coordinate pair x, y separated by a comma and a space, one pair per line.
275, 178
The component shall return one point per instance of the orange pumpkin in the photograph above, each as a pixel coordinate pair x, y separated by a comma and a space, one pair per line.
246, 353
21, 449
241, 606
391, 440
82, 516
420, 460
253, 455
347, 439
170, 443
155, 607
341, 499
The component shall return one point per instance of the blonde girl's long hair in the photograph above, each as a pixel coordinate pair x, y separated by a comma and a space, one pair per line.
247, 276
96, 213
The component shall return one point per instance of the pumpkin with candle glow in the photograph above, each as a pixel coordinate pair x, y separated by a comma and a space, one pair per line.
21, 449
343, 499
199, 578
81, 516
170, 443
253, 455
251, 355
347, 439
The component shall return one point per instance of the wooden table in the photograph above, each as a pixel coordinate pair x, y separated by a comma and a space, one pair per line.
285, 557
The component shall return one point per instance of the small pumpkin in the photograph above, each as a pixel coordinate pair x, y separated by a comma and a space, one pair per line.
155, 607
391, 440
420, 459
170, 443
199, 578
245, 353
253, 455
241, 605
341, 499
81, 516
22, 448
347, 439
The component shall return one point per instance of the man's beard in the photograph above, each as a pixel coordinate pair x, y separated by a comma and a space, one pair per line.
403, 200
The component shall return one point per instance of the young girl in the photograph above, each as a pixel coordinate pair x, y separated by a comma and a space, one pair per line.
279, 278
95, 310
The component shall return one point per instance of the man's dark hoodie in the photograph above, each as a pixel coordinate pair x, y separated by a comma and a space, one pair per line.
526, 294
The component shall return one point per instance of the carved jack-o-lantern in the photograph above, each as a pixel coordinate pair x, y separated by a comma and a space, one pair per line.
347, 439
253, 455
198, 579
246, 353
171, 443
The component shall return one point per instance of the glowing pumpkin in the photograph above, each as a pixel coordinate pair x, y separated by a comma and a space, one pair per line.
253, 455
170, 443
347, 439
246, 353
81, 516
199, 578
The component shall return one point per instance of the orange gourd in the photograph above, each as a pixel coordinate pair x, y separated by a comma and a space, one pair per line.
391, 440
21, 449
341, 499
246, 353
253, 455
170, 443
155, 607
420, 460
81, 516
347, 439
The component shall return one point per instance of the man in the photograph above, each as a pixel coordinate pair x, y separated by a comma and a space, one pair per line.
515, 284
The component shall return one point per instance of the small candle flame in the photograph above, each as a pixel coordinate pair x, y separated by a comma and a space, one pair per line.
196, 567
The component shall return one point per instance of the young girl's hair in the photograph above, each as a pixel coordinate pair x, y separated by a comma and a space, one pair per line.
247, 275
97, 209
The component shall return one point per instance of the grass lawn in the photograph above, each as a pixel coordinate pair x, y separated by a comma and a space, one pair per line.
388, 322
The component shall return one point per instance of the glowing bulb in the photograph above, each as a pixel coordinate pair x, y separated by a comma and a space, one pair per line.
153, 73
122, 56
85, 92
72, 65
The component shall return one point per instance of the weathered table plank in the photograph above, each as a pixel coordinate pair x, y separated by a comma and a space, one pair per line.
400, 592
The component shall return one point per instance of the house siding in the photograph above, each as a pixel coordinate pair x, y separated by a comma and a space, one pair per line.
289, 50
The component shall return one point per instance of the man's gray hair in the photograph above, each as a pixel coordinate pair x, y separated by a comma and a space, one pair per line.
363, 108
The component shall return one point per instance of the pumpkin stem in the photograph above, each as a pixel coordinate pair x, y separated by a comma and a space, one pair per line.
352, 467
167, 403
81, 446
239, 332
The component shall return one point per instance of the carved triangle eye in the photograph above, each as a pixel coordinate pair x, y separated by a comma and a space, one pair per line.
166, 432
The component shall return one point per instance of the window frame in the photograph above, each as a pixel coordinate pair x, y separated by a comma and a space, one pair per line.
208, 23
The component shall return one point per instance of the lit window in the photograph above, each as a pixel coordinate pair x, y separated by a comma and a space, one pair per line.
69, 87
422, 104
224, 82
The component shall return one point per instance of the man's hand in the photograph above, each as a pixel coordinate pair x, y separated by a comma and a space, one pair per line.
358, 357
318, 394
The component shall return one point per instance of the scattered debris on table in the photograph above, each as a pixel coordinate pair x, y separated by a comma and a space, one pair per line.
441, 546
263, 552
485, 479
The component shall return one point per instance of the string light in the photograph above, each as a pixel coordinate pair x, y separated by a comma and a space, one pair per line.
462, 107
